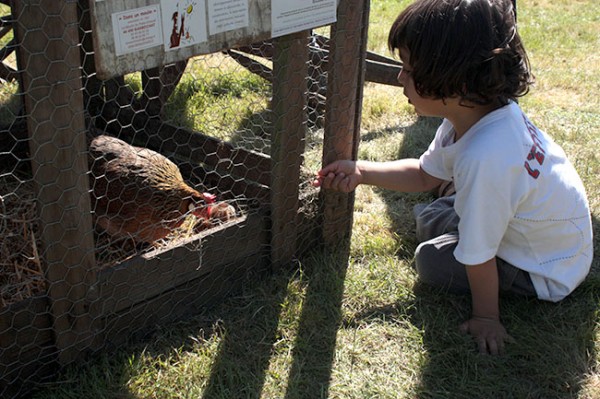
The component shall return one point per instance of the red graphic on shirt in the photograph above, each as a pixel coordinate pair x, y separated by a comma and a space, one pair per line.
536, 155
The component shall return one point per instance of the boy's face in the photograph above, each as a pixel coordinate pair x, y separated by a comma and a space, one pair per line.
424, 106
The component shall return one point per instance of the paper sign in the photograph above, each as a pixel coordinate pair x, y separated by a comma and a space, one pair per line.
225, 15
289, 16
137, 29
183, 23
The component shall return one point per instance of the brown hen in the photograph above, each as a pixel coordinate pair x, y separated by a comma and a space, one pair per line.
140, 194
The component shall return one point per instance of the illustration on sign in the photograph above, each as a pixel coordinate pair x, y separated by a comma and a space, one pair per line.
137, 29
289, 16
225, 15
183, 23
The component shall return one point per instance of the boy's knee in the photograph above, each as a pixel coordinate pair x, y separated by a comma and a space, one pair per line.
436, 265
426, 261
435, 219
420, 224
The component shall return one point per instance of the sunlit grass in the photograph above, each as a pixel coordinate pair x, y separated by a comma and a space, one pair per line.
366, 328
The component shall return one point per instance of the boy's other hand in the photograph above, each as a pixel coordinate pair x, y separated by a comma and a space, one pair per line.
341, 176
489, 334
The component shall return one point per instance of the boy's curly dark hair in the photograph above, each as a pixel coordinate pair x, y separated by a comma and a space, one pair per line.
465, 48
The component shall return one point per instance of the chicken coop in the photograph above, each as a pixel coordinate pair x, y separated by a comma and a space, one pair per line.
242, 101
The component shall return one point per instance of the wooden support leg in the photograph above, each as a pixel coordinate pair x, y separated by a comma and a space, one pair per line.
52, 88
287, 147
343, 112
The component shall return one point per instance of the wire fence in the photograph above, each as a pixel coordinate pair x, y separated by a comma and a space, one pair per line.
140, 184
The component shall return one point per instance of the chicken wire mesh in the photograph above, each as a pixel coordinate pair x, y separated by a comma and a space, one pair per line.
136, 200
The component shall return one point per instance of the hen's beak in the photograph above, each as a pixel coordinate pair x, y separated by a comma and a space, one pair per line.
201, 212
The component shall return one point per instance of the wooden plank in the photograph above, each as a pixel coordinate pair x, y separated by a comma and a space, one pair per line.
323, 42
188, 144
27, 352
379, 68
34, 367
384, 73
252, 65
9, 47
49, 50
108, 64
342, 120
158, 84
316, 100
290, 80
265, 49
24, 326
227, 187
147, 276
185, 300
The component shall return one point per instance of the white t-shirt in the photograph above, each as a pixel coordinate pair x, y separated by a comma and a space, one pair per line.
518, 198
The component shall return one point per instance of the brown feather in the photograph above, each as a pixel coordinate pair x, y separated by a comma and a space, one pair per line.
137, 192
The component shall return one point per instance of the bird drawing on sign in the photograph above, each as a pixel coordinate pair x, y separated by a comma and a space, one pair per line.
177, 33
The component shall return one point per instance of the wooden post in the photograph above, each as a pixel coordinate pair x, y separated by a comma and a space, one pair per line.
346, 77
158, 84
290, 72
51, 69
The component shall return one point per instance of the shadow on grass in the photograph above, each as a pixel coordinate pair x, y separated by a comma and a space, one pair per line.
241, 366
320, 319
554, 349
289, 317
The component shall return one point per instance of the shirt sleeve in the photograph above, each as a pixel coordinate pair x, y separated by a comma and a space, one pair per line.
434, 160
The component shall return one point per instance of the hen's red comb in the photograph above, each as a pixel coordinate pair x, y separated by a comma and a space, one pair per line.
209, 198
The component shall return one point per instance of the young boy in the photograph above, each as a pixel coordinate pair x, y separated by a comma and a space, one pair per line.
519, 220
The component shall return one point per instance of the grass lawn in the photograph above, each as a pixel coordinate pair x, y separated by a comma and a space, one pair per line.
367, 329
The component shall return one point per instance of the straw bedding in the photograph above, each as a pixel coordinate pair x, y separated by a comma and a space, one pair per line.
21, 264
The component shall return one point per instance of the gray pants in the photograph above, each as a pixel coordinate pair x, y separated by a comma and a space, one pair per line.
437, 232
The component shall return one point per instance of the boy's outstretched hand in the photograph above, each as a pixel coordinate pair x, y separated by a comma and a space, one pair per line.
342, 176
489, 334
